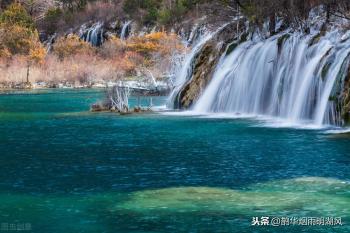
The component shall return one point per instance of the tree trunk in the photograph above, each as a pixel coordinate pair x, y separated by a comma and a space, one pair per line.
27, 79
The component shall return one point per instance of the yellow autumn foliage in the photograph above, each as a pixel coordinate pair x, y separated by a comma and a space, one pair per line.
157, 42
18, 40
5, 53
72, 45
18, 35
142, 46
157, 36
37, 55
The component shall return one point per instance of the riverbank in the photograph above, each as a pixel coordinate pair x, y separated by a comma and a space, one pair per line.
140, 88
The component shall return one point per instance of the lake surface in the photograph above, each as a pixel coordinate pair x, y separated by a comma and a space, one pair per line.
64, 169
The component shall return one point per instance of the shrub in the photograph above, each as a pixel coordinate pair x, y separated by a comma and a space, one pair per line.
5, 53
165, 42
157, 42
37, 55
143, 46
15, 14
70, 46
19, 40
112, 48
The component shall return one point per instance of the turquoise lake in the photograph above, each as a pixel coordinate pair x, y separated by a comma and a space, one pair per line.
65, 169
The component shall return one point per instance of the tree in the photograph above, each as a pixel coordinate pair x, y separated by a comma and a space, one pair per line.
15, 14
51, 20
18, 35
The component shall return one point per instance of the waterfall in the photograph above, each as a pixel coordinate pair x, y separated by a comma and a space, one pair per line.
94, 34
289, 76
125, 29
50, 42
186, 70
193, 34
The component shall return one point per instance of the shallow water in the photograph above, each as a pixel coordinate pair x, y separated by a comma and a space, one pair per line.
64, 169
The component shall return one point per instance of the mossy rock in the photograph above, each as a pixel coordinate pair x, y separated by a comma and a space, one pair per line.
204, 66
231, 48
317, 38
333, 98
325, 70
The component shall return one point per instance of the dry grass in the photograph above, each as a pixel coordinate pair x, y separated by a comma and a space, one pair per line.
75, 61
75, 69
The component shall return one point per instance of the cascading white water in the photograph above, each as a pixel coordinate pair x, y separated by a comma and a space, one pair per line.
284, 77
186, 70
94, 34
123, 34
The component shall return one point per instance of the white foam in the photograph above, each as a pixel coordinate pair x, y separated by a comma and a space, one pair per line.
260, 120
338, 131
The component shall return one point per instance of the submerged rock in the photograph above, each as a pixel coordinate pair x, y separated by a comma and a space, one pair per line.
285, 197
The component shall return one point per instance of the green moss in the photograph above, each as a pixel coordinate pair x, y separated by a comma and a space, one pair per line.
325, 70
317, 38
281, 41
231, 48
332, 98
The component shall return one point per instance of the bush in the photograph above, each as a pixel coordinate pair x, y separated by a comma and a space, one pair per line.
18, 40
15, 14
112, 48
70, 46
37, 55
5, 54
